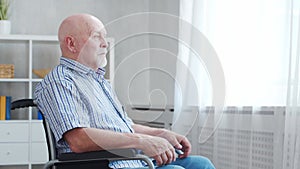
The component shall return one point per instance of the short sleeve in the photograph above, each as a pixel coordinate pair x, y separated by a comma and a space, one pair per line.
62, 107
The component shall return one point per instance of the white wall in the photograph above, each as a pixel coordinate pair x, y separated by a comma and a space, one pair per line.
163, 51
127, 22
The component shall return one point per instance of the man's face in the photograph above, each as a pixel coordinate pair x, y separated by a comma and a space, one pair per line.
94, 47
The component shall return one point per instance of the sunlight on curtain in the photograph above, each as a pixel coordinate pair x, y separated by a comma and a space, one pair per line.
291, 153
252, 41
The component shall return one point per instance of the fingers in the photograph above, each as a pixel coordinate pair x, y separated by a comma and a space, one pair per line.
166, 157
171, 154
178, 146
185, 152
158, 160
186, 147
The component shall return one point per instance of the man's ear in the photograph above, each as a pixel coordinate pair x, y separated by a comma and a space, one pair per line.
71, 45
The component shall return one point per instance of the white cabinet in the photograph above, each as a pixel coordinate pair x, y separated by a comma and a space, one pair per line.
18, 132
22, 139
14, 153
22, 142
38, 147
14, 143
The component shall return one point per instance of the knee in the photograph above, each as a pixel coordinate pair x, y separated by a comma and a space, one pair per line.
207, 163
176, 167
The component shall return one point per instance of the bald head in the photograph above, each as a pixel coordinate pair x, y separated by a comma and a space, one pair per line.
74, 31
76, 25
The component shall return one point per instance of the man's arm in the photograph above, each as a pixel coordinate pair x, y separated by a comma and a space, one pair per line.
92, 139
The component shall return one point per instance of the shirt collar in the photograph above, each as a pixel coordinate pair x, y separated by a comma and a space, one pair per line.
72, 64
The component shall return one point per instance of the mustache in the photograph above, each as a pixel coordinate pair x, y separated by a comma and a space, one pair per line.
102, 50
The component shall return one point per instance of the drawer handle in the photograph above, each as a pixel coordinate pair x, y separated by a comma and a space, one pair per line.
8, 153
8, 133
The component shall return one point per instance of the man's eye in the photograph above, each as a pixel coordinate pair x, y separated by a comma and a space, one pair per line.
98, 37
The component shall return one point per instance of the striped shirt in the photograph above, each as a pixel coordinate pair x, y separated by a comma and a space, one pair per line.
73, 95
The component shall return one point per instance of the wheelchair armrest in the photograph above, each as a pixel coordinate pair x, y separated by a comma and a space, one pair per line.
103, 154
21, 103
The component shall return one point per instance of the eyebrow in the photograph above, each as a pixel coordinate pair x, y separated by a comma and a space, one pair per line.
104, 33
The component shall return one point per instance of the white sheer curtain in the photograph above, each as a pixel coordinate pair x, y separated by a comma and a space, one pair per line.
257, 47
291, 157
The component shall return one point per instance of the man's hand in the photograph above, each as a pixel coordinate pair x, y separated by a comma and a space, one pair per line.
180, 142
158, 148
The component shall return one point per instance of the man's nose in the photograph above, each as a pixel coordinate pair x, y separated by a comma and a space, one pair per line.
103, 44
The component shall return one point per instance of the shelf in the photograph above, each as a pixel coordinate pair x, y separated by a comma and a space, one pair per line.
19, 80
20, 121
22, 139
29, 37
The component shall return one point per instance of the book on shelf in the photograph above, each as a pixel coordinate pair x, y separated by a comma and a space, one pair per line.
2, 107
5, 103
40, 116
8, 105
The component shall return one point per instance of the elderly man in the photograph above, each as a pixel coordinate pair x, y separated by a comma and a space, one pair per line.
83, 110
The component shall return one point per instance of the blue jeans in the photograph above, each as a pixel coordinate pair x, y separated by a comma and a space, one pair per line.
190, 162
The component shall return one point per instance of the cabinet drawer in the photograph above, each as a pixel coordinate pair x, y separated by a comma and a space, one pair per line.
14, 132
37, 132
13, 153
39, 153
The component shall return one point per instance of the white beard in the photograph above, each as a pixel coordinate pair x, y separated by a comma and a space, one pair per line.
103, 62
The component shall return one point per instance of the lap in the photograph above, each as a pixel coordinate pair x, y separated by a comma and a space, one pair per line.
191, 162
162, 167
194, 162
